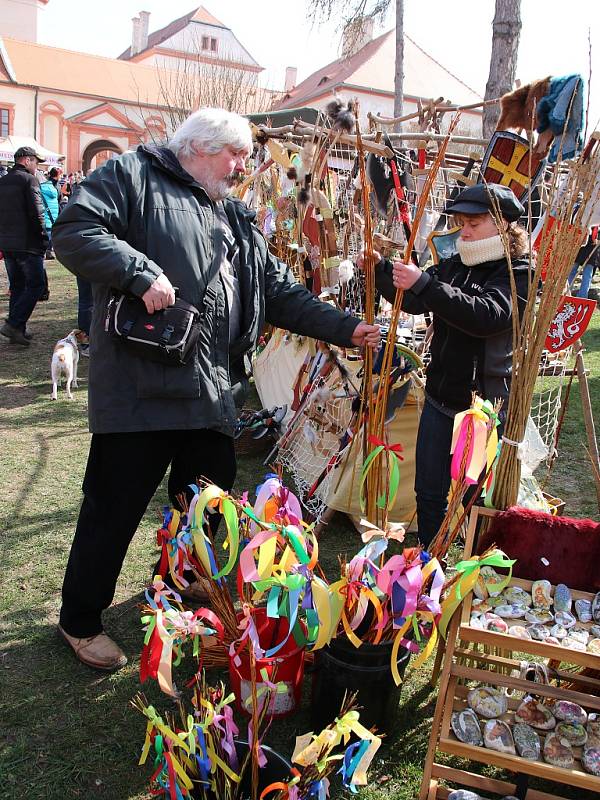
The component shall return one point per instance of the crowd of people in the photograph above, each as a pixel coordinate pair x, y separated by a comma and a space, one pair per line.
30, 202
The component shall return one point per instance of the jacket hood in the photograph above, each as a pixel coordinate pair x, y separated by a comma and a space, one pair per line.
167, 160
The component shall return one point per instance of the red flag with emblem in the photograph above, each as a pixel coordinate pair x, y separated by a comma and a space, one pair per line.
570, 322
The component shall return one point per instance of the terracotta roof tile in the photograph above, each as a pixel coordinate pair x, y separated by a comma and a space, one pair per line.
82, 73
372, 67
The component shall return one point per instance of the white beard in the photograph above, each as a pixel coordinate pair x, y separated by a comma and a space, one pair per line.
217, 189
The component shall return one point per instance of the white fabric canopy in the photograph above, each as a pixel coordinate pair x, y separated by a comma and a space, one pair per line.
10, 145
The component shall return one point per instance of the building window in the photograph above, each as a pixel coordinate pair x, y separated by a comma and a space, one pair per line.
4, 123
209, 43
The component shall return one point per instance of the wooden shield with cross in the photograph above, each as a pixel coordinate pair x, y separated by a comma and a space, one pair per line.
510, 162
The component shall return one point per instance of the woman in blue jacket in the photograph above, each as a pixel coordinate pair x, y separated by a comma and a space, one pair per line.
50, 193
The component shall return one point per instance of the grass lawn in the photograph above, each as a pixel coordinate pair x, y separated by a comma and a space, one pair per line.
66, 731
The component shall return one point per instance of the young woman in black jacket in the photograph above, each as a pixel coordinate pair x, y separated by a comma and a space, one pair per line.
469, 296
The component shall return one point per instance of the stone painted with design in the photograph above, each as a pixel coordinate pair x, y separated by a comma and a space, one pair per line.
572, 644
573, 732
593, 647
538, 632
497, 735
536, 714
566, 619
558, 632
510, 611
541, 594
569, 712
487, 701
583, 609
580, 635
488, 582
492, 622
596, 608
514, 594
590, 759
527, 741
563, 599
593, 731
539, 616
558, 751
519, 631
466, 727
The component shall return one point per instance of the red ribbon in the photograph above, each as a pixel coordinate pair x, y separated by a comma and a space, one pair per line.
394, 448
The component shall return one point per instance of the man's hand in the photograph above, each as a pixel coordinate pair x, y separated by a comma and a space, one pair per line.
360, 261
405, 275
160, 295
366, 336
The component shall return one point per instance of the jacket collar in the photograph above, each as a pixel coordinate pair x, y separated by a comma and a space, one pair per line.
168, 161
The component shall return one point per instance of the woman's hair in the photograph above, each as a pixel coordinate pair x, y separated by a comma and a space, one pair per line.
54, 172
210, 130
518, 240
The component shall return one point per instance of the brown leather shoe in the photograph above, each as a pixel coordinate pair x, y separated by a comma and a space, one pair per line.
97, 651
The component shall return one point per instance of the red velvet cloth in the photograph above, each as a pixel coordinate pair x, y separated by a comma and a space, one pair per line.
571, 546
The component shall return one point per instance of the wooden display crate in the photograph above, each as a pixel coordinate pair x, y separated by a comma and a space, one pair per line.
478, 657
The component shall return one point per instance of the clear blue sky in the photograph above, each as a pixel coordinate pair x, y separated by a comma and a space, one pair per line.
554, 38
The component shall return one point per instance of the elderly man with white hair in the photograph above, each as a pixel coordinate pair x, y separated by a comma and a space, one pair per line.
145, 223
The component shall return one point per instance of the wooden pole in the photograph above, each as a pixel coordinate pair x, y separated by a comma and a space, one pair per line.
588, 417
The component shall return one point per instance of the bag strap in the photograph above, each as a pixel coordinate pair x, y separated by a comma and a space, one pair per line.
210, 292
45, 202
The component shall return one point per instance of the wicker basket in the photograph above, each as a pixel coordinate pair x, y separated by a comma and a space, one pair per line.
245, 445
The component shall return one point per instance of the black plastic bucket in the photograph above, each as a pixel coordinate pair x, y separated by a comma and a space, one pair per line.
277, 768
340, 667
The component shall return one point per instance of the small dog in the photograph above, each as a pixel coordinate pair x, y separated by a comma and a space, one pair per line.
64, 361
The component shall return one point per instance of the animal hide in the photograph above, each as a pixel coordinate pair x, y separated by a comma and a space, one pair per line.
518, 107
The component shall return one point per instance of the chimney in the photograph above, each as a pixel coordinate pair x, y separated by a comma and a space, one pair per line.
291, 76
135, 35
356, 35
144, 22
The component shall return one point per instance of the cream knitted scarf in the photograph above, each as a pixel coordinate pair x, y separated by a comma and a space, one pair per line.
473, 253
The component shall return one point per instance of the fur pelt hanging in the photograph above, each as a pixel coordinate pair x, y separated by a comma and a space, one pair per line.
518, 107
343, 118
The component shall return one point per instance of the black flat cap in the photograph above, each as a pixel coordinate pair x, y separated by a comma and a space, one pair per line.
28, 152
485, 197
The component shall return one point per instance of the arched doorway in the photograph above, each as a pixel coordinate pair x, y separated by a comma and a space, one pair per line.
96, 153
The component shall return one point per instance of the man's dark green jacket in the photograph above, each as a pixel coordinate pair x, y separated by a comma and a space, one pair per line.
142, 214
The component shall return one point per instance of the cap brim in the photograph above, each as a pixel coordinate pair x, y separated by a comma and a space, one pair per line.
466, 208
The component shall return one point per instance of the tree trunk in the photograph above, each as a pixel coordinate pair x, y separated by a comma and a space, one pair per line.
506, 30
399, 73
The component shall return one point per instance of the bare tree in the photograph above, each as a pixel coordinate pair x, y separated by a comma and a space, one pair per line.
186, 84
506, 31
399, 71
352, 14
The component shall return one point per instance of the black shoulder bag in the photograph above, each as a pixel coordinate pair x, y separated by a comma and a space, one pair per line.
168, 336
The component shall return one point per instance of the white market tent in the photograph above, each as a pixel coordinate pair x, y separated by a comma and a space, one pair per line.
11, 144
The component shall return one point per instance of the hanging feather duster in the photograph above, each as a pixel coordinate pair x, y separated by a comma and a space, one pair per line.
292, 173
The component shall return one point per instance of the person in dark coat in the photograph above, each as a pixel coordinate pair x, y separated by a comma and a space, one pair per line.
144, 223
23, 240
469, 296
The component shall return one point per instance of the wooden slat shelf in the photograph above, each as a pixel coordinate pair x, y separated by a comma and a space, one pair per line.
477, 657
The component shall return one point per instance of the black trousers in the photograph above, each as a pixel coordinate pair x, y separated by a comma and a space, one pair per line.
122, 474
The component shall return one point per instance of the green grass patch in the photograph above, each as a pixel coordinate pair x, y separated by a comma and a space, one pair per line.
67, 731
